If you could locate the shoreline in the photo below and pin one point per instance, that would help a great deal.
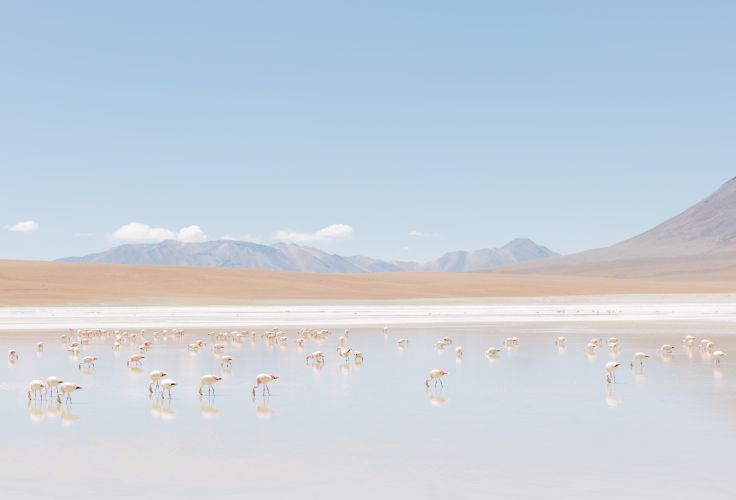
(708, 309)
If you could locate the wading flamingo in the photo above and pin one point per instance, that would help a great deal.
(718, 355)
(611, 371)
(435, 375)
(66, 389)
(166, 385)
(264, 379)
(88, 361)
(316, 356)
(639, 357)
(52, 383)
(37, 387)
(136, 359)
(209, 381)
(156, 376)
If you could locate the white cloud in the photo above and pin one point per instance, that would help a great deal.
(331, 232)
(191, 234)
(420, 234)
(137, 231)
(26, 226)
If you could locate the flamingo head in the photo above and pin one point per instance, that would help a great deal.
(218, 378)
(443, 372)
(77, 387)
(275, 377)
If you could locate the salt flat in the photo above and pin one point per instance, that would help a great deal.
(706, 308)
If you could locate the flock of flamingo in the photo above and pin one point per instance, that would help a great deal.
(161, 386)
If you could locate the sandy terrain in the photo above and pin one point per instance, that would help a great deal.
(26, 283)
(713, 268)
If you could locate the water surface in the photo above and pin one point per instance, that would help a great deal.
(536, 422)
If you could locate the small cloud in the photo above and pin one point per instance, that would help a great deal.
(191, 234)
(26, 226)
(419, 234)
(137, 231)
(331, 232)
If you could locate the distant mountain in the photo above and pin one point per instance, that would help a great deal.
(292, 257)
(702, 239)
(518, 250)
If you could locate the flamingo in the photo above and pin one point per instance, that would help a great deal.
(166, 385)
(88, 361)
(136, 359)
(492, 351)
(666, 349)
(611, 371)
(435, 375)
(38, 387)
(718, 355)
(358, 356)
(560, 342)
(264, 379)
(66, 389)
(639, 357)
(511, 342)
(208, 380)
(402, 342)
(459, 352)
(344, 353)
(12, 355)
(39, 346)
(226, 361)
(440, 345)
(317, 356)
(156, 376)
(53, 382)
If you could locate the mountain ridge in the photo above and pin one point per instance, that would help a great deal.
(293, 257)
(703, 235)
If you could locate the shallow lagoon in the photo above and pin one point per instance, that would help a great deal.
(535, 422)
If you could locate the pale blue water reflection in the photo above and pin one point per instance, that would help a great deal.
(537, 420)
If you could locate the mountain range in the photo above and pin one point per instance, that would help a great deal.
(701, 241)
(292, 257)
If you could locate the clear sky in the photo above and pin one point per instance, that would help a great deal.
(424, 126)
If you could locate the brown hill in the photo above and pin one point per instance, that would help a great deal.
(25, 283)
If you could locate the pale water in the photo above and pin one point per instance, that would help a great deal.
(536, 422)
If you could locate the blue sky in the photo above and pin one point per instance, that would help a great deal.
(576, 124)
